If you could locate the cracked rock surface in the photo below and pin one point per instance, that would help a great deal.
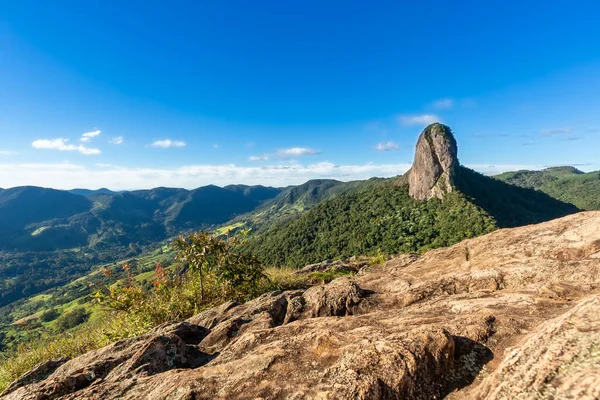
(512, 314)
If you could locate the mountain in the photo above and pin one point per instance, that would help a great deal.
(38, 219)
(293, 201)
(49, 237)
(435, 164)
(511, 314)
(22, 207)
(436, 203)
(88, 192)
(567, 184)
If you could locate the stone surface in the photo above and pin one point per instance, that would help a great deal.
(349, 266)
(513, 314)
(432, 172)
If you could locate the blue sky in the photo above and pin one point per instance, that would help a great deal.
(191, 93)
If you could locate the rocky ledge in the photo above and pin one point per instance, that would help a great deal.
(513, 314)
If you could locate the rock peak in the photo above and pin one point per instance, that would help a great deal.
(432, 172)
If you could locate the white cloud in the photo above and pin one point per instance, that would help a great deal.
(166, 143)
(116, 140)
(558, 131)
(62, 145)
(491, 169)
(7, 153)
(88, 151)
(258, 158)
(296, 151)
(443, 104)
(86, 137)
(67, 176)
(386, 146)
(423, 119)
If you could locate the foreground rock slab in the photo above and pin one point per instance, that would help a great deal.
(513, 314)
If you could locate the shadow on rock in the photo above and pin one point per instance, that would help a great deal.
(470, 357)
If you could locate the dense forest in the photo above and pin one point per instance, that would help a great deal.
(382, 217)
(510, 205)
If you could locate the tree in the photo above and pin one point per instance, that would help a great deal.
(49, 315)
(205, 253)
(72, 318)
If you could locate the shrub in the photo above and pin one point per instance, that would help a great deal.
(132, 310)
(72, 318)
(236, 274)
(49, 315)
(213, 273)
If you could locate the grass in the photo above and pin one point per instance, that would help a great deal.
(224, 229)
(327, 276)
(69, 344)
(39, 230)
(286, 278)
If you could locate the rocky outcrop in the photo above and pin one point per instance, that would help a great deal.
(513, 314)
(352, 265)
(433, 169)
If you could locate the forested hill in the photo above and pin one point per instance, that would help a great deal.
(49, 237)
(39, 219)
(385, 218)
(436, 203)
(295, 200)
(564, 183)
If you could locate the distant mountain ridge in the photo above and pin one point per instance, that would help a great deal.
(35, 218)
(564, 183)
(49, 237)
(89, 192)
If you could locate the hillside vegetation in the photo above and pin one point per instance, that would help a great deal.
(294, 200)
(50, 237)
(384, 218)
(38, 219)
(125, 304)
(564, 183)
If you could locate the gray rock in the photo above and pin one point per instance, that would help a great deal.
(432, 172)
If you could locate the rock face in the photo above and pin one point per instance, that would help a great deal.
(513, 314)
(432, 172)
(352, 266)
